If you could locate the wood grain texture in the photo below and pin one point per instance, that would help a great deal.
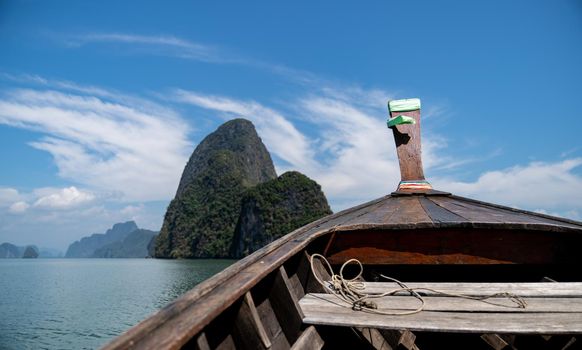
(202, 342)
(495, 341)
(455, 246)
(408, 147)
(527, 289)
(249, 327)
(309, 340)
(374, 338)
(178, 322)
(454, 322)
(286, 306)
(450, 304)
(438, 213)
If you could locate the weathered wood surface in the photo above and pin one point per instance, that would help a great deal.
(201, 342)
(326, 313)
(249, 326)
(286, 306)
(495, 341)
(455, 246)
(309, 340)
(374, 338)
(181, 320)
(446, 304)
(408, 146)
(537, 289)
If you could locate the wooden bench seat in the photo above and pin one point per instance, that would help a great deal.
(552, 308)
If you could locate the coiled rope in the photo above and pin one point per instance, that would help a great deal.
(352, 291)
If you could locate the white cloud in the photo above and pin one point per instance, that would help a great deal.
(106, 144)
(8, 196)
(18, 207)
(63, 198)
(548, 185)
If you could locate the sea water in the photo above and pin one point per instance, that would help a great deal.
(84, 303)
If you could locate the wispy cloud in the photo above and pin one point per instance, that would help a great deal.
(165, 45)
(102, 143)
(173, 46)
(278, 132)
(552, 186)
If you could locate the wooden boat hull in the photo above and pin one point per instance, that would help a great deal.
(255, 303)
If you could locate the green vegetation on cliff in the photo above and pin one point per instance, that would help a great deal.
(230, 202)
(201, 220)
(275, 208)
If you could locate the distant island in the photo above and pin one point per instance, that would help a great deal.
(230, 201)
(123, 240)
(11, 251)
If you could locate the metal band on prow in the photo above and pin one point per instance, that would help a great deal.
(409, 104)
(420, 185)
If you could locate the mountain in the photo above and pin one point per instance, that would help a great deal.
(8, 250)
(30, 253)
(201, 219)
(275, 208)
(87, 246)
(135, 245)
(230, 202)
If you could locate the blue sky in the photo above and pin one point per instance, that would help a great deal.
(102, 102)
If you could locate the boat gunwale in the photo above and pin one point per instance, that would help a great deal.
(134, 337)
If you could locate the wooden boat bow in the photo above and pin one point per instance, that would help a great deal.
(269, 300)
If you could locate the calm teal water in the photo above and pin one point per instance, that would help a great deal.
(83, 303)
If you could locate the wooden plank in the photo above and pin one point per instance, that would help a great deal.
(455, 246)
(400, 339)
(309, 340)
(408, 211)
(547, 219)
(248, 326)
(438, 213)
(201, 342)
(226, 344)
(467, 211)
(313, 285)
(474, 211)
(272, 326)
(296, 286)
(495, 341)
(374, 338)
(438, 303)
(286, 306)
(526, 289)
(378, 213)
(454, 322)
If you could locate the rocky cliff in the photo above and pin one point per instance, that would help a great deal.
(201, 219)
(135, 245)
(275, 208)
(87, 246)
(230, 202)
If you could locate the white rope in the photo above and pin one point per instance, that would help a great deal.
(352, 291)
